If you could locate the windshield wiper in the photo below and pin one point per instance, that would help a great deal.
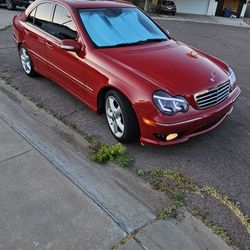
(150, 40)
(153, 40)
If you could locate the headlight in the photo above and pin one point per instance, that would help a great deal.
(232, 77)
(169, 105)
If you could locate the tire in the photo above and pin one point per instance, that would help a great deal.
(26, 61)
(158, 9)
(10, 5)
(121, 118)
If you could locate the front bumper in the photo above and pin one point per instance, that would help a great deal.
(193, 123)
(168, 10)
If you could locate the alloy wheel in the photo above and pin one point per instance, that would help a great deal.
(114, 116)
(25, 60)
(9, 4)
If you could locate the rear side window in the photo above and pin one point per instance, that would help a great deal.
(31, 16)
(63, 26)
(43, 16)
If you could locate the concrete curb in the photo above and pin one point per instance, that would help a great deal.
(204, 19)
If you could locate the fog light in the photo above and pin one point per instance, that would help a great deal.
(171, 137)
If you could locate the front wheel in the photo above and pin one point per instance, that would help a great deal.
(26, 61)
(121, 118)
(9, 4)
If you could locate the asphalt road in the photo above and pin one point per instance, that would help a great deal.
(220, 158)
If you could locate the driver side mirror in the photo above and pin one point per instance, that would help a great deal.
(70, 45)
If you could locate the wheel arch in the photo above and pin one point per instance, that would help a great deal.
(101, 101)
(19, 45)
(101, 98)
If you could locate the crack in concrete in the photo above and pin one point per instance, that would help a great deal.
(15, 156)
(132, 235)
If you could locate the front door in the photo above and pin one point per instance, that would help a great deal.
(65, 67)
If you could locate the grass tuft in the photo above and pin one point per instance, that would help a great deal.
(5, 27)
(5, 79)
(169, 212)
(140, 172)
(217, 230)
(156, 172)
(102, 153)
(244, 219)
(39, 105)
(123, 160)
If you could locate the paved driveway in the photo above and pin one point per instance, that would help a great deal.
(6, 16)
(220, 158)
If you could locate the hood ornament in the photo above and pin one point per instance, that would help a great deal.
(212, 77)
(192, 54)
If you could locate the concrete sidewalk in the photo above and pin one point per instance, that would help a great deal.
(52, 197)
(39, 207)
(237, 22)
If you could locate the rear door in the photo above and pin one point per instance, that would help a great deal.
(36, 28)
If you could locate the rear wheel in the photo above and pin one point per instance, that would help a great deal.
(26, 61)
(120, 117)
(10, 5)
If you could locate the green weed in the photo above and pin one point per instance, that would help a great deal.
(140, 172)
(180, 199)
(103, 153)
(156, 172)
(5, 27)
(123, 160)
(217, 230)
(170, 211)
(39, 105)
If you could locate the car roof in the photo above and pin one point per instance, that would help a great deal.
(91, 3)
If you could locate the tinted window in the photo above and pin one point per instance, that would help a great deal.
(63, 26)
(31, 16)
(43, 16)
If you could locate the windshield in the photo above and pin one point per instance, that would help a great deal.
(168, 3)
(114, 27)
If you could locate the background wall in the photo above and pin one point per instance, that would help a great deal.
(192, 6)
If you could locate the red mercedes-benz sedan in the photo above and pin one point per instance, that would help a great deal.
(116, 60)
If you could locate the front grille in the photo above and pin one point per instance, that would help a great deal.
(213, 96)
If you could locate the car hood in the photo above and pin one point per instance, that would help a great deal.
(170, 66)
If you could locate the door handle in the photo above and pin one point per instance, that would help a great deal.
(49, 44)
(27, 32)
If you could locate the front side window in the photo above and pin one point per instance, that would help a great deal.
(43, 16)
(111, 27)
(63, 26)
